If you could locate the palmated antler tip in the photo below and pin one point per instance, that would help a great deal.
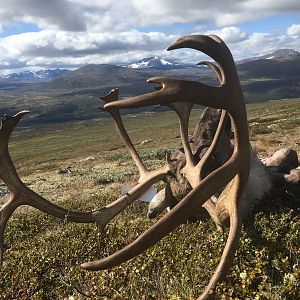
(202, 63)
(7, 122)
(111, 96)
(157, 80)
(215, 38)
(18, 115)
(184, 42)
(174, 46)
(179, 43)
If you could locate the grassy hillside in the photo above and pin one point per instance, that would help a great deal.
(43, 253)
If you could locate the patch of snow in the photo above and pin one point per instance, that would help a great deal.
(152, 62)
(164, 62)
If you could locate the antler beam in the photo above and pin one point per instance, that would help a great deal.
(234, 172)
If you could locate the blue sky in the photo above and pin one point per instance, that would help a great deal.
(36, 34)
(18, 28)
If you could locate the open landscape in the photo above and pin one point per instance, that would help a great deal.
(82, 164)
(73, 95)
(223, 222)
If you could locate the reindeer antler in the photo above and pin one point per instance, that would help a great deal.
(234, 172)
(180, 95)
(21, 195)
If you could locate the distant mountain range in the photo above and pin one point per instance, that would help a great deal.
(148, 63)
(278, 54)
(275, 75)
(62, 95)
(47, 74)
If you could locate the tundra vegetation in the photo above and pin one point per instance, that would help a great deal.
(82, 165)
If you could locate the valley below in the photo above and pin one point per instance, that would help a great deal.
(74, 95)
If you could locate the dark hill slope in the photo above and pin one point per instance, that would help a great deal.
(99, 76)
(266, 79)
(271, 68)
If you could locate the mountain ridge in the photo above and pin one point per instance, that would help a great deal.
(43, 74)
(75, 95)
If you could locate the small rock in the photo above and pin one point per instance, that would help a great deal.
(144, 142)
(66, 170)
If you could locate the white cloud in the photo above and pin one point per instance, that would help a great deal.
(62, 48)
(76, 32)
(50, 48)
(230, 34)
(104, 15)
(59, 14)
(294, 30)
(4, 63)
(259, 43)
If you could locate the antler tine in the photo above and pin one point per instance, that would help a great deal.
(7, 173)
(146, 180)
(174, 90)
(183, 110)
(195, 175)
(8, 123)
(111, 98)
(234, 194)
(217, 69)
(201, 165)
(214, 47)
(22, 194)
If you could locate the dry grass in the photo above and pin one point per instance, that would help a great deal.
(43, 253)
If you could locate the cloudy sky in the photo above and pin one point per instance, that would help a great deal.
(37, 34)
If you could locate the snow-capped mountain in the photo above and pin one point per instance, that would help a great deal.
(36, 75)
(154, 63)
(282, 53)
(278, 54)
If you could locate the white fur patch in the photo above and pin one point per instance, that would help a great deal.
(258, 185)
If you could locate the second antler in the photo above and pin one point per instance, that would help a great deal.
(20, 194)
(180, 95)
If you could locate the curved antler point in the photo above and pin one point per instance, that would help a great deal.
(113, 95)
